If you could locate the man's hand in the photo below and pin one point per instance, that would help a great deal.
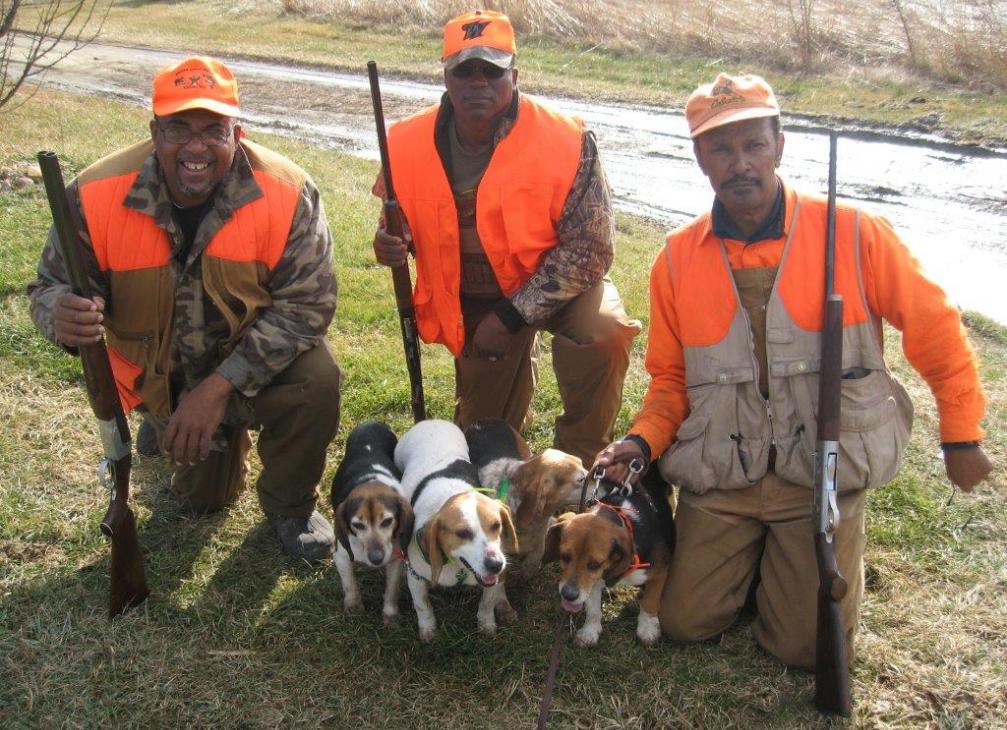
(616, 457)
(967, 467)
(491, 338)
(191, 427)
(78, 320)
(392, 250)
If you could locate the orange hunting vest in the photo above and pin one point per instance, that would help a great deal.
(725, 441)
(518, 206)
(135, 253)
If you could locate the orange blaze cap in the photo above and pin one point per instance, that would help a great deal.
(195, 83)
(729, 99)
(483, 34)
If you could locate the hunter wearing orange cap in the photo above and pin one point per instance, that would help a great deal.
(736, 312)
(510, 218)
(213, 264)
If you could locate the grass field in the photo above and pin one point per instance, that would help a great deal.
(632, 50)
(234, 635)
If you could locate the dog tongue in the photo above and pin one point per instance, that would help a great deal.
(570, 607)
(491, 580)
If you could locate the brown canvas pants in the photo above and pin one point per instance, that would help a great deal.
(298, 414)
(590, 348)
(724, 536)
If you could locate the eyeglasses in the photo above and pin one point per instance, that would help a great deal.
(489, 71)
(182, 134)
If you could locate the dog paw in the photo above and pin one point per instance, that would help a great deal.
(390, 620)
(506, 614)
(587, 637)
(648, 630)
(353, 604)
(488, 629)
(427, 636)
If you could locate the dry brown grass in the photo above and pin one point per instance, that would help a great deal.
(963, 41)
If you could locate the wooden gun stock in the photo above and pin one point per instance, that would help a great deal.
(832, 672)
(400, 274)
(128, 584)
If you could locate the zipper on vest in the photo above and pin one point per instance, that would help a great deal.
(755, 370)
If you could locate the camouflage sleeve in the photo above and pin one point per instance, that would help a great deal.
(52, 281)
(303, 290)
(585, 245)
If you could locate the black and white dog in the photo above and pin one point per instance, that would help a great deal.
(372, 516)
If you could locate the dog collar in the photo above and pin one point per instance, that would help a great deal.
(503, 489)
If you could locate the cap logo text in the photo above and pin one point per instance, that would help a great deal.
(195, 80)
(474, 30)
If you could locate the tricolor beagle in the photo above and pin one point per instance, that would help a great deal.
(460, 533)
(617, 542)
(533, 487)
(372, 517)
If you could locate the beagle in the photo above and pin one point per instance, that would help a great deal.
(619, 541)
(533, 487)
(459, 533)
(371, 514)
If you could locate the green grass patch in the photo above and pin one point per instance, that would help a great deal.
(235, 635)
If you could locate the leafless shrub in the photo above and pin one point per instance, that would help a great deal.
(35, 35)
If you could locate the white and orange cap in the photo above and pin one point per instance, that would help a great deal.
(483, 34)
(729, 99)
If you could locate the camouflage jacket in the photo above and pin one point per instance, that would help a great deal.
(302, 286)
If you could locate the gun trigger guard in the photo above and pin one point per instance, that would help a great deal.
(105, 476)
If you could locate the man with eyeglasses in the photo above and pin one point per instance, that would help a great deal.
(212, 261)
(509, 215)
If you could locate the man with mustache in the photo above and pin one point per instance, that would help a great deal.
(212, 261)
(737, 300)
(509, 215)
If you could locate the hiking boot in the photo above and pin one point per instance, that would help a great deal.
(146, 440)
(310, 538)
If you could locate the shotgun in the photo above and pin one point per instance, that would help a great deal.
(832, 673)
(400, 274)
(128, 584)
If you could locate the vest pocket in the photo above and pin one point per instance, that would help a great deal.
(709, 452)
(874, 424)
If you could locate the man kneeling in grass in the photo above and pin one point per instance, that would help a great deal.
(734, 352)
(213, 263)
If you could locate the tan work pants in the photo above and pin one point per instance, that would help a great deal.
(590, 348)
(298, 414)
(723, 536)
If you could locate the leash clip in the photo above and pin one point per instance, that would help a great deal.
(625, 490)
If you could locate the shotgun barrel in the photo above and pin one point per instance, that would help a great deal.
(400, 274)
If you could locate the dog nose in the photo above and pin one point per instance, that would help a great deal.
(569, 592)
(376, 555)
(493, 564)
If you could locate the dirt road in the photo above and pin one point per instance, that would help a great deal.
(947, 202)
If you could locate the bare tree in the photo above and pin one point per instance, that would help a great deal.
(35, 35)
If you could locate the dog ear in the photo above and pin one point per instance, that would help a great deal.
(619, 559)
(510, 543)
(404, 524)
(341, 527)
(531, 477)
(428, 538)
(550, 553)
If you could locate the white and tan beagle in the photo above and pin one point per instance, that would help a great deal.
(533, 487)
(617, 542)
(459, 534)
(372, 516)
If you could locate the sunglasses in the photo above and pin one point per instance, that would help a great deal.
(468, 69)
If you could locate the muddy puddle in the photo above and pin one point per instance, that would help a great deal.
(948, 203)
